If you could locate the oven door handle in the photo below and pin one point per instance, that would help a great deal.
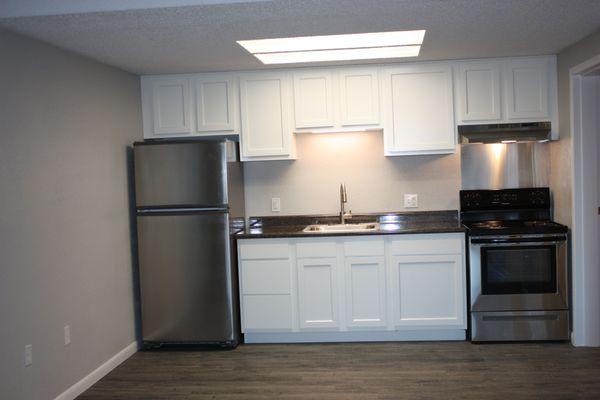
(538, 240)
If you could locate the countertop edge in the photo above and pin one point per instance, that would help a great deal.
(457, 229)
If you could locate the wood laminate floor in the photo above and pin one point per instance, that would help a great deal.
(441, 370)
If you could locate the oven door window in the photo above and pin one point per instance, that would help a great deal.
(518, 269)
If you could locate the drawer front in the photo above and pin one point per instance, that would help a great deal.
(265, 276)
(427, 244)
(266, 312)
(264, 249)
(315, 249)
(364, 247)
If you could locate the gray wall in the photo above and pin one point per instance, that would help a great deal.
(375, 183)
(560, 180)
(65, 122)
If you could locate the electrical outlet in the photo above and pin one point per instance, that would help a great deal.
(67, 332)
(275, 204)
(28, 355)
(411, 200)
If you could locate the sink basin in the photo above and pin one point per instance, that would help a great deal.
(371, 226)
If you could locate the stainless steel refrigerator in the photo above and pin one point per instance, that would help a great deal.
(189, 202)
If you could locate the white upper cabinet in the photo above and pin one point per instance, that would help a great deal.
(167, 106)
(313, 99)
(189, 105)
(418, 105)
(527, 89)
(333, 99)
(420, 113)
(359, 96)
(478, 86)
(266, 113)
(507, 90)
(216, 105)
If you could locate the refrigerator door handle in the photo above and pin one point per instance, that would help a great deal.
(180, 210)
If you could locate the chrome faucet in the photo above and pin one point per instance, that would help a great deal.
(343, 200)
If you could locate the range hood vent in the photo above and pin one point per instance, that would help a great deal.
(505, 133)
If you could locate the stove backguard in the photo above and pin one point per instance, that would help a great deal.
(505, 166)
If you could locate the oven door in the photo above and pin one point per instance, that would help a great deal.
(518, 273)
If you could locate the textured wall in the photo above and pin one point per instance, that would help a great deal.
(561, 171)
(310, 185)
(65, 122)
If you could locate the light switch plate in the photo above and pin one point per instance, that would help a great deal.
(28, 355)
(67, 334)
(275, 204)
(411, 200)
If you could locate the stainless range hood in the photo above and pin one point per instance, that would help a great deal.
(505, 133)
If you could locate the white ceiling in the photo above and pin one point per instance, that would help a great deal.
(201, 37)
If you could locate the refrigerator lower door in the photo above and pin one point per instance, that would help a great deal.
(187, 279)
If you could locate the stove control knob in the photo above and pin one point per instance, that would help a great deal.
(537, 197)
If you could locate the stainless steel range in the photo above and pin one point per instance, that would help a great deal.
(518, 266)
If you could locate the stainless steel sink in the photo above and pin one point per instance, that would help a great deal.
(342, 228)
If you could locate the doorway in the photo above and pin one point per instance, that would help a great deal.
(585, 126)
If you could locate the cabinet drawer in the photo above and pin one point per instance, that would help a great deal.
(315, 249)
(265, 276)
(427, 244)
(364, 247)
(264, 249)
(267, 312)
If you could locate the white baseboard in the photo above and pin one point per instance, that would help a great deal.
(97, 374)
(366, 336)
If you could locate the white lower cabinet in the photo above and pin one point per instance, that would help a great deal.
(361, 288)
(317, 293)
(267, 312)
(265, 276)
(365, 291)
(428, 291)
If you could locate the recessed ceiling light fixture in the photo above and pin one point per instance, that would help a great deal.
(355, 46)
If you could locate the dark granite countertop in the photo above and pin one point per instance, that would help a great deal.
(393, 223)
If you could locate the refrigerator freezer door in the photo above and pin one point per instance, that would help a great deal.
(187, 279)
(192, 174)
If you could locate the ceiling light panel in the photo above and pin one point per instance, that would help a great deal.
(338, 55)
(329, 42)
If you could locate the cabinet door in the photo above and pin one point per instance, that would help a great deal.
(359, 97)
(265, 100)
(215, 103)
(313, 99)
(266, 313)
(479, 91)
(420, 113)
(429, 291)
(365, 291)
(171, 105)
(317, 293)
(527, 89)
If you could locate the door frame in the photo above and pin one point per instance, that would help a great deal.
(584, 169)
